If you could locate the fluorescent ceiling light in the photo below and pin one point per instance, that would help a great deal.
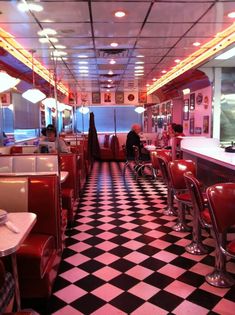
(45, 40)
(228, 54)
(25, 7)
(139, 109)
(57, 53)
(47, 31)
(33, 95)
(82, 56)
(83, 62)
(7, 82)
(140, 56)
(114, 44)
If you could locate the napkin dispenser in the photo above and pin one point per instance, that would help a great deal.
(230, 148)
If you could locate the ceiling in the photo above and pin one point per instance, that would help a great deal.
(161, 31)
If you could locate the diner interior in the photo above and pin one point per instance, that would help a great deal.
(91, 229)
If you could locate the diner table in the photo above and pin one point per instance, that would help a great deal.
(11, 241)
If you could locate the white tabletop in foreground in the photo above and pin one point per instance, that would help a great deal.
(11, 241)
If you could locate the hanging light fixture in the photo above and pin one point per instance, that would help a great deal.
(33, 95)
(139, 109)
(7, 82)
(84, 110)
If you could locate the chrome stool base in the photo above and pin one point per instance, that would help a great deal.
(181, 227)
(196, 249)
(220, 279)
(169, 211)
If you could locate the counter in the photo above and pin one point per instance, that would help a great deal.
(213, 163)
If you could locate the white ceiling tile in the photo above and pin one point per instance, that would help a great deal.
(207, 30)
(104, 11)
(218, 13)
(165, 29)
(117, 29)
(177, 12)
(70, 29)
(157, 42)
(122, 43)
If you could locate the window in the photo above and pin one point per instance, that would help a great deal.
(109, 118)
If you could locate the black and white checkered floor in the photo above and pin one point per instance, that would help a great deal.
(122, 256)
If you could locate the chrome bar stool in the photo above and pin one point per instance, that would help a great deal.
(221, 200)
(200, 213)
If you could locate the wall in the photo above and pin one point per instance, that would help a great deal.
(198, 120)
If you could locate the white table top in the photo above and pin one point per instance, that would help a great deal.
(208, 148)
(10, 241)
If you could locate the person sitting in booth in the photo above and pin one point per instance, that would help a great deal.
(52, 144)
(133, 139)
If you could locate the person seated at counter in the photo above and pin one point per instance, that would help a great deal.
(51, 144)
(133, 139)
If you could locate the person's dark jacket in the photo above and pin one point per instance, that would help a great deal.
(132, 139)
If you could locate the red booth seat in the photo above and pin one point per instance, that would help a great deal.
(39, 256)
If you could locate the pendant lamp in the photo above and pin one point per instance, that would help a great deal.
(139, 109)
(84, 110)
(33, 95)
(7, 82)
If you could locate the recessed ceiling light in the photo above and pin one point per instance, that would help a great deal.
(58, 47)
(163, 71)
(147, 84)
(177, 60)
(140, 70)
(47, 31)
(196, 44)
(83, 67)
(119, 14)
(139, 67)
(45, 40)
(138, 74)
(83, 62)
(154, 79)
(108, 85)
(140, 56)
(83, 71)
(112, 62)
(110, 72)
(109, 80)
(139, 62)
(25, 7)
(57, 53)
(82, 56)
(59, 58)
(114, 44)
(231, 15)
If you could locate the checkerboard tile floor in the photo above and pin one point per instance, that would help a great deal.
(122, 257)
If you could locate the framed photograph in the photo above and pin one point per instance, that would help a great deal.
(186, 110)
(142, 97)
(191, 126)
(199, 98)
(168, 107)
(96, 98)
(5, 98)
(198, 130)
(131, 97)
(192, 101)
(205, 124)
(119, 97)
(107, 97)
(43, 118)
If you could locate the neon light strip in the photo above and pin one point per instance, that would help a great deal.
(221, 41)
(8, 43)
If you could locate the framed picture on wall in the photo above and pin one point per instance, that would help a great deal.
(186, 110)
(198, 130)
(107, 97)
(5, 98)
(96, 98)
(191, 126)
(119, 97)
(192, 101)
(205, 124)
(142, 97)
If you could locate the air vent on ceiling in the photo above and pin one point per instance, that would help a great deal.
(109, 75)
(102, 53)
